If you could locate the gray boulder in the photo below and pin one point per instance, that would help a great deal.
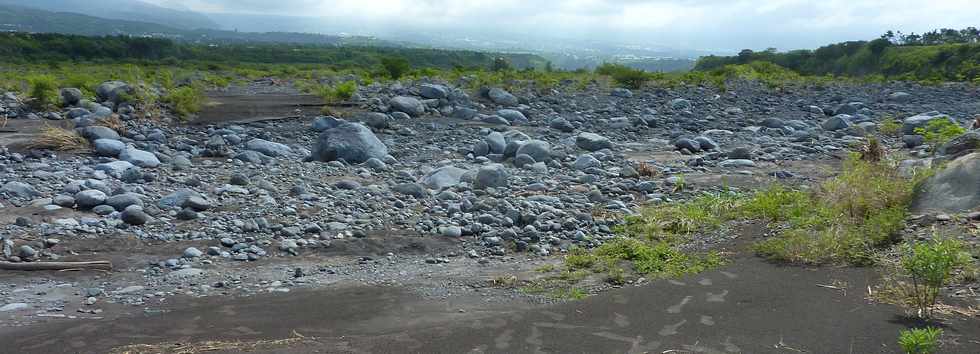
(464, 113)
(96, 132)
(838, 122)
(19, 189)
(621, 92)
(592, 142)
(113, 91)
(121, 201)
(491, 176)
(539, 150)
(134, 215)
(91, 198)
(322, 123)
(964, 143)
(71, 96)
(413, 189)
(899, 97)
(497, 142)
(679, 104)
(268, 148)
(956, 188)
(108, 147)
(921, 120)
(443, 177)
(502, 97)
(407, 105)
(351, 142)
(432, 91)
(512, 116)
(562, 125)
(139, 158)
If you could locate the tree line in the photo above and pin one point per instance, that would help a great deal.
(940, 55)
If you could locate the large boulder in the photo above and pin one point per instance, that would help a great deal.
(407, 105)
(956, 188)
(513, 116)
(139, 157)
(592, 142)
(71, 96)
(964, 143)
(432, 91)
(108, 147)
(538, 149)
(96, 132)
(113, 91)
(491, 176)
(838, 122)
(502, 97)
(19, 189)
(921, 120)
(351, 142)
(443, 177)
(268, 148)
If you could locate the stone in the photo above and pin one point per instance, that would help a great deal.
(464, 113)
(899, 97)
(16, 306)
(134, 215)
(736, 163)
(71, 96)
(502, 97)
(491, 176)
(413, 189)
(122, 201)
(351, 142)
(322, 123)
(954, 189)
(113, 91)
(443, 177)
(706, 143)
(139, 158)
(19, 189)
(452, 231)
(679, 104)
(968, 142)
(621, 92)
(192, 252)
(562, 125)
(96, 132)
(513, 116)
(26, 252)
(592, 142)
(921, 120)
(432, 91)
(585, 162)
(837, 122)
(774, 123)
(268, 148)
(539, 150)
(88, 199)
(407, 105)
(688, 144)
(64, 201)
(108, 147)
(522, 160)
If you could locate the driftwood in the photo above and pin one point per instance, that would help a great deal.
(29, 266)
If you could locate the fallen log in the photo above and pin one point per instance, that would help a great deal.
(31, 266)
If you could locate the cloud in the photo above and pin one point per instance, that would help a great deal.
(729, 24)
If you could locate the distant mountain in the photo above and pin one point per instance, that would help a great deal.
(127, 10)
(24, 19)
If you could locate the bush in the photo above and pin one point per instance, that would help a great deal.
(940, 131)
(395, 67)
(185, 100)
(43, 90)
(930, 265)
(339, 93)
(624, 76)
(890, 127)
(920, 340)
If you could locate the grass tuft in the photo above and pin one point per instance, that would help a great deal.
(59, 139)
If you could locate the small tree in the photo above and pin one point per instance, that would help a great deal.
(396, 67)
(930, 265)
(500, 64)
(43, 89)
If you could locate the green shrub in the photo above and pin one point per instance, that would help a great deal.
(940, 131)
(395, 67)
(185, 100)
(930, 266)
(43, 90)
(339, 93)
(658, 259)
(920, 340)
(623, 75)
(890, 127)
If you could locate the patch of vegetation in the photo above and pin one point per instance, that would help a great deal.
(624, 76)
(59, 139)
(845, 220)
(940, 131)
(43, 90)
(655, 259)
(929, 266)
(920, 340)
(185, 100)
(395, 67)
(890, 127)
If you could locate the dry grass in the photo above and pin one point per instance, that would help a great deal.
(647, 170)
(59, 139)
(113, 123)
(213, 346)
(872, 151)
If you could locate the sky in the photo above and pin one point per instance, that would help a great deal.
(688, 24)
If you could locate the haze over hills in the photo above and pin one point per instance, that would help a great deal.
(140, 18)
(128, 10)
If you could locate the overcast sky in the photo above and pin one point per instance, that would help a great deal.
(692, 24)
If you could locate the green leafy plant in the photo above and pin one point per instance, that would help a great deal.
(940, 131)
(890, 127)
(43, 90)
(920, 340)
(185, 100)
(624, 76)
(338, 93)
(395, 67)
(930, 265)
